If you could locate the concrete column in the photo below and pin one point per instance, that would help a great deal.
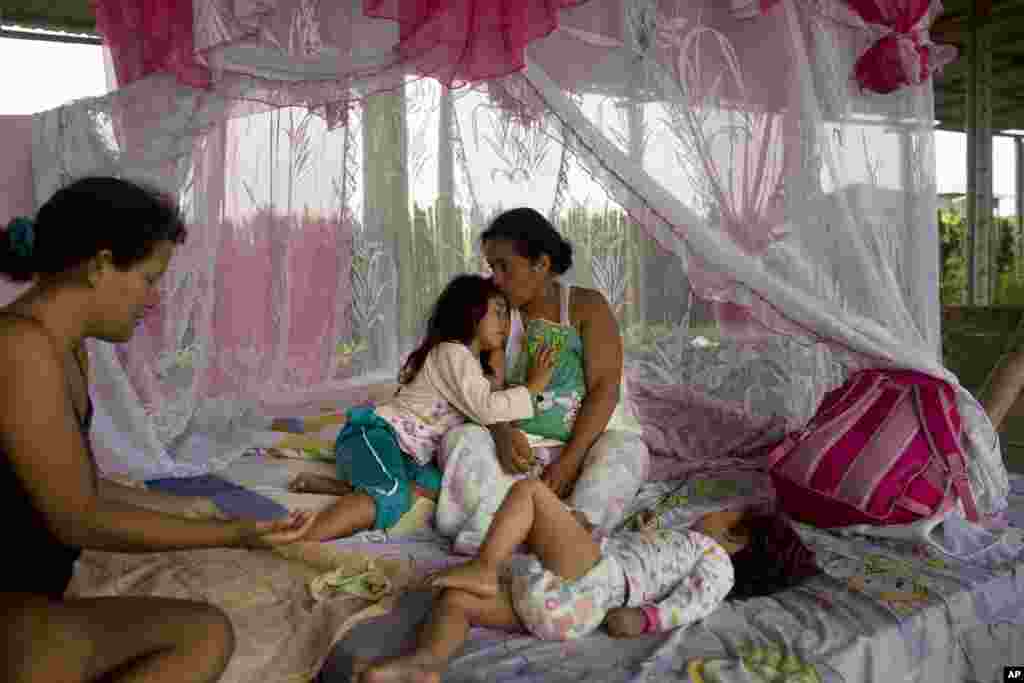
(981, 240)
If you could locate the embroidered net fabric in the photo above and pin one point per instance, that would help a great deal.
(760, 224)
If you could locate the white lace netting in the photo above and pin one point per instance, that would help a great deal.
(782, 226)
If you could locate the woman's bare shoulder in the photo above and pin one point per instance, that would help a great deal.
(29, 359)
(23, 338)
(585, 303)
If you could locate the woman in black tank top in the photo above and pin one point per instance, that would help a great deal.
(50, 572)
(95, 253)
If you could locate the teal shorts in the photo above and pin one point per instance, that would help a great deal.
(367, 455)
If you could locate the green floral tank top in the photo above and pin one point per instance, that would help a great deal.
(556, 408)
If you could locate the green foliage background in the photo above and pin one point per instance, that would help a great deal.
(1009, 290)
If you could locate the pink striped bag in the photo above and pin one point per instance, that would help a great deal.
(882, 449)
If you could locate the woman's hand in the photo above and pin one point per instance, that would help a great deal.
(513, 449)
(560, 476)
(267, 534)
(542, 367)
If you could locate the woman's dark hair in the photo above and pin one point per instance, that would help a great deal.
(454, 318)
(773, 560)
(86, 217)
(533, 235)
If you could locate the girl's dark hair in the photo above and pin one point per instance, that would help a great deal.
(533, 235)
(454, 318)
(773, 560)
(86, 217)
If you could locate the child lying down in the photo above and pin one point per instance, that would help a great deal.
(631, 582)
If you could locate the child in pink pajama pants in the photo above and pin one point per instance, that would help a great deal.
(632, 583)
(673, 576)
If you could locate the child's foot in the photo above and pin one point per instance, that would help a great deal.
(584, 521)
(625, 622)
(473, 577)
(315, 483)
(420, 667)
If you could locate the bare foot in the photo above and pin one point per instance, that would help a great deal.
(315, 483)
(625, 622)
(419, 667)
(583, 520)
(473, 577)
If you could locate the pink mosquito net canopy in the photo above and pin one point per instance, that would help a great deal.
(749, 184)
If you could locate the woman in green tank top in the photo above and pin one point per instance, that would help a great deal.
(596, 469)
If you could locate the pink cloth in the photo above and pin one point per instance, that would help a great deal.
(150, 36)
(904, 55)
(463, 41)
(746, 179)
(455, 41)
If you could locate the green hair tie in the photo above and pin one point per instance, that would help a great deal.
(21, 233)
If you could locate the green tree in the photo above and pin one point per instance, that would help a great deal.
(953, 238)
(1009, 288)
(1006, 256)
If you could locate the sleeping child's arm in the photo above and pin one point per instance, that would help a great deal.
(702, 574)
(701, 590)
(456, 374)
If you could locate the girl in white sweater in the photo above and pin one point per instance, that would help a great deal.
(386, 454)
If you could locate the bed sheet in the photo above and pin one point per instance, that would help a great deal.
(881, 611)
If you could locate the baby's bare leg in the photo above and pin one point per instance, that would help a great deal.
(530, 514)
(443, 636)
(555, 536)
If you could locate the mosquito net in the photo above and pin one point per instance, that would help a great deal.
(749, 184)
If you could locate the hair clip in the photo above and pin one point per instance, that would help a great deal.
(21, 233)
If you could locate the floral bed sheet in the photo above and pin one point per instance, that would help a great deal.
(880, 611)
